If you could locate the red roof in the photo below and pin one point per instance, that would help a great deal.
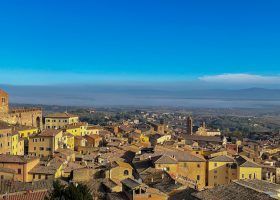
(27, 195)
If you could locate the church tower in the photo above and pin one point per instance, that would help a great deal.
(190, 125)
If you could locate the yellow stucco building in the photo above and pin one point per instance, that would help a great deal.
(247, 169)
(119, 170)
(223, 169)
(26, 131)
(183, 164)
(14, 143)
(77, 129)
(68, 140)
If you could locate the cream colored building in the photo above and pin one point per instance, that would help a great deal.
(59, 120)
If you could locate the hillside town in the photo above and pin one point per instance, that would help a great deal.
(151, 158)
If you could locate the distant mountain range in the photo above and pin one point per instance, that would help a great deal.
(98, 95)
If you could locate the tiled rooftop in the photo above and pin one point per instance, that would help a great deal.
(233, 191)
(15, 159)
(61, 115)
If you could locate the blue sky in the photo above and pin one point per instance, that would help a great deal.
(49, 41)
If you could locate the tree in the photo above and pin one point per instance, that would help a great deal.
(70, 192)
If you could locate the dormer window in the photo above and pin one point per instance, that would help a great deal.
(126, 173)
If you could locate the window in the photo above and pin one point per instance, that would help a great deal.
(167, 168)
(33, 176)
(215, 177)
(46, 177)
(48, 149)
(34, 148)
(250, 176)
(3, 100)
(39, 176)
(41, 148)
(19, 171)
(198, 177)
(198, 165)
(215, 171)
(125, 172)
(2, 177)
(242, 175)
(215, 164)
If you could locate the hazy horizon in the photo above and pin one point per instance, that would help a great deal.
(108, 95)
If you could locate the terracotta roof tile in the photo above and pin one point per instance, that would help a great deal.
(27, 195)
(222, 158)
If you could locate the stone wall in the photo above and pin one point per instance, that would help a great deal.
(23, 116)
(27, 116)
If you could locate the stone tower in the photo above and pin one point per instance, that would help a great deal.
(4, 102)
(203, 124)
(190, 125)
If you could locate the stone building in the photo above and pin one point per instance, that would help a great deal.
(22, 116)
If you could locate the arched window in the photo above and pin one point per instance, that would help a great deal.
(38, 122)
(125, 172)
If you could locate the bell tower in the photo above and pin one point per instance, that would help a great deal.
(190, 125)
